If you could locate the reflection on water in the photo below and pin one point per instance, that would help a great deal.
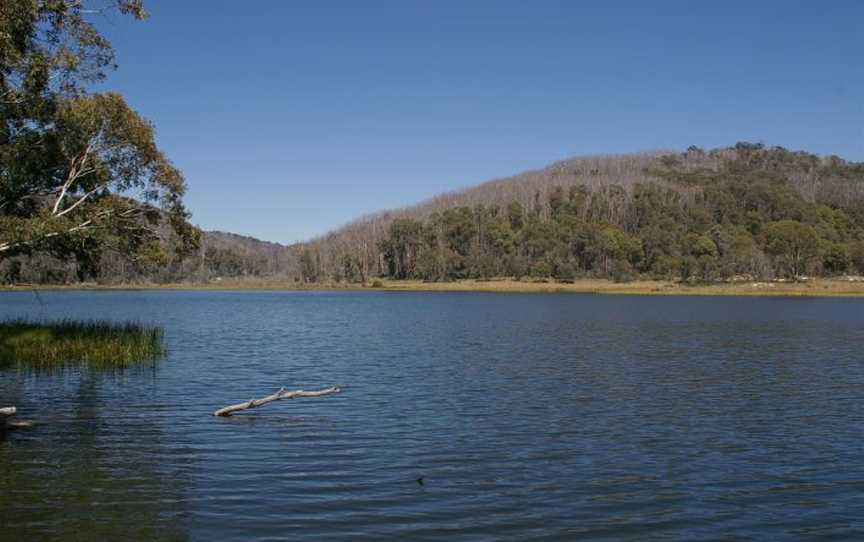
(528, 416)
(87, 470)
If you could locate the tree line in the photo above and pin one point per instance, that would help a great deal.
(748, 211)
(217, 255)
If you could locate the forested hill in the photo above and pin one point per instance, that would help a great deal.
(217, 255)
(747, 210)
(230, 255)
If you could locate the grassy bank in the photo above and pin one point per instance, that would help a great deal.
(98, 343)
(810, 288)
(813, 288)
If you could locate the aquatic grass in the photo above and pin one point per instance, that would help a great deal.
(98, 343)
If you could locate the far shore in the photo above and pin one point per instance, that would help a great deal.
(809, 288)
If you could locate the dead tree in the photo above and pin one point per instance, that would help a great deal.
(278, 396)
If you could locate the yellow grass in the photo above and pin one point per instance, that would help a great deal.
(641, 287)
(820, 288)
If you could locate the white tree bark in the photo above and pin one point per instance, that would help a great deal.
(76, 172)
(278, 396)
(88, 224)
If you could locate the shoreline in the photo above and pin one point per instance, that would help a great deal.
(811, 288)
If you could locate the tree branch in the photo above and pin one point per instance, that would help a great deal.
(75, 173)
(87, 224)
(278, 396)
(82, 199)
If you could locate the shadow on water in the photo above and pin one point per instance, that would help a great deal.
(275, 421)
(88, 469)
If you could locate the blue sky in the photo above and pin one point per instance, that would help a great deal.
(291, 118)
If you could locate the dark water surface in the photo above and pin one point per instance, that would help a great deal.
(528, 416)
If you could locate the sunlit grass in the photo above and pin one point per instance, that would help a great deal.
(813, 288)
(97, 343)
(823, 287)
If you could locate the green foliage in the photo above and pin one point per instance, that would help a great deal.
(856, 255)
(80, 173)
(401, 249)
(96, 343)
(352, 269)
(310, 267)
(742, 217)
(793, 244)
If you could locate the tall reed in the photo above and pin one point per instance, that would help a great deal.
(50, 343)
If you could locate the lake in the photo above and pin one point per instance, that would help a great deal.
(527, 416)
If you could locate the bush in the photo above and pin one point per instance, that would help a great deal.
(541, 270)
(622, 271)
(377, 284)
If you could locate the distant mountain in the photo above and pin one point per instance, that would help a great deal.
(243, 242)
(232, 255)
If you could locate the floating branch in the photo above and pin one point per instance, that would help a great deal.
(278, 396)
(6, 423)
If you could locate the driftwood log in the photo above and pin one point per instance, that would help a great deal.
(6, 413)
(278, 396)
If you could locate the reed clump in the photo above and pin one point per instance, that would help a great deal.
(98, 343)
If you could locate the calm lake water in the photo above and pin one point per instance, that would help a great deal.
(528, 416)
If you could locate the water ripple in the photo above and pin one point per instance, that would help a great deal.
(528, 417)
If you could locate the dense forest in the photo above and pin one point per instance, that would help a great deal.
(744, 212)
(216, 255)
(748, 211)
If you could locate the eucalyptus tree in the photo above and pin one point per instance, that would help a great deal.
(77, 169)
(794, 245)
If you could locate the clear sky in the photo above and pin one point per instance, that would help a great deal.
(290, 118)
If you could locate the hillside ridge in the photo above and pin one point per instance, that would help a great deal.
(603, 192)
